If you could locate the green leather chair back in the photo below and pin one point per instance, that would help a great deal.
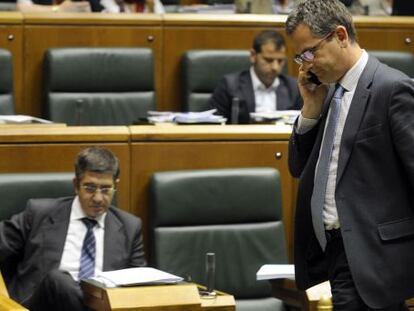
(235, 213)
(403, 61)
(98, 86)
(203, 69)
(17, 188)
(6, 83)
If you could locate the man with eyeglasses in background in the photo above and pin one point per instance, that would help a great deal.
(62, 241)
(263, 87)
(353, 149)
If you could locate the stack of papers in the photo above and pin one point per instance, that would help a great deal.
(204, 117)
(136, 276)
(21, 119)
(267, 272)
(286, 116)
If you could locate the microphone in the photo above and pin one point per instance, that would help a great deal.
(235, 108)
(210, 271)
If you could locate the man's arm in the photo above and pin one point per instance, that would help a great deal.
(221, 99)
(401, 116)
(300, 147)
(13, 235)
(137, 253)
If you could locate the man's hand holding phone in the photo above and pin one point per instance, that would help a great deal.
(313, 93)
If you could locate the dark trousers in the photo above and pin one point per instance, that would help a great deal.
(345, 296)
(58, 291)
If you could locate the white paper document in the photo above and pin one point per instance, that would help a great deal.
(267, 272)
(21, 119)
(136, 276)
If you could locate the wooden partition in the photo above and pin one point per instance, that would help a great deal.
(167, 148)
(27, 36)
(53, 148)
(11, 38)
(184, 32)
(43, 31)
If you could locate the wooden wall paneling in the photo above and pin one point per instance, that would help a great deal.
(85, 30)
(38, 150)
(198, 150)
(184, 32)
(11, 38)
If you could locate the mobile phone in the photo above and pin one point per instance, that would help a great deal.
(312, 81)
(312, 78)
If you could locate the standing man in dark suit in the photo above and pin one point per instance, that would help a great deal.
(60, 241)
(262, 88)
(354, 154)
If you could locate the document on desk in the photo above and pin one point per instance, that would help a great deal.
(136, 276)
(267, 272)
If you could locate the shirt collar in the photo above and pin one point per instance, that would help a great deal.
(258, 85)
(350, 80)
(77, 213)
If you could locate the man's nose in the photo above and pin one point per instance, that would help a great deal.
(98, 196)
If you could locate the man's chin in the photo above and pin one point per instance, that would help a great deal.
(96, 211)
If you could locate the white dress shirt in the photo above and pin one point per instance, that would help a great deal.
(70, 260)
(349, 82)
(265, 97)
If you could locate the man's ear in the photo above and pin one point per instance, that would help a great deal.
(342, 36)
(75, 185)
(116, 183)
(252, 56)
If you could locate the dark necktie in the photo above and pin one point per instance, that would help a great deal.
(87, 261)
(322, 172)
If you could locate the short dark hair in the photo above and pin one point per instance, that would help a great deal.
(322, 17)
(98, 160)
(268, 36)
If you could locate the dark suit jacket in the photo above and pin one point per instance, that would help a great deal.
(37, 236)
(374, 193)
(240, 85)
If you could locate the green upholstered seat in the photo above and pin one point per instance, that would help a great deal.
(203, 69)
(235, 213)
(6, 83)
(403, 61)
(17, 188)
(98, 86)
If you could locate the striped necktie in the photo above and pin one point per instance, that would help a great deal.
(87, 261)
(322, 171)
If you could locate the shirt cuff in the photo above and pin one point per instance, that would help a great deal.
(304, 125)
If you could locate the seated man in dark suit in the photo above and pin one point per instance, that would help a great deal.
(61, 241)
(263, 87)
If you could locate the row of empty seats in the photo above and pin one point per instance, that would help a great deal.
(115, 86)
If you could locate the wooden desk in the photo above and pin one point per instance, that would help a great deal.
(180, 297)
(167, 148)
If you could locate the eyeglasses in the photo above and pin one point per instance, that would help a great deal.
(92, 189)
(309, 54)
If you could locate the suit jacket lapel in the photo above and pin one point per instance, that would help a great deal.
(246, 87)
(355, 114)
(114, 241)
(54, 235)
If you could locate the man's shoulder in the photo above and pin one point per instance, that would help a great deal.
(288, 79)
(45, 205)
(236, 76)
(124, 217)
